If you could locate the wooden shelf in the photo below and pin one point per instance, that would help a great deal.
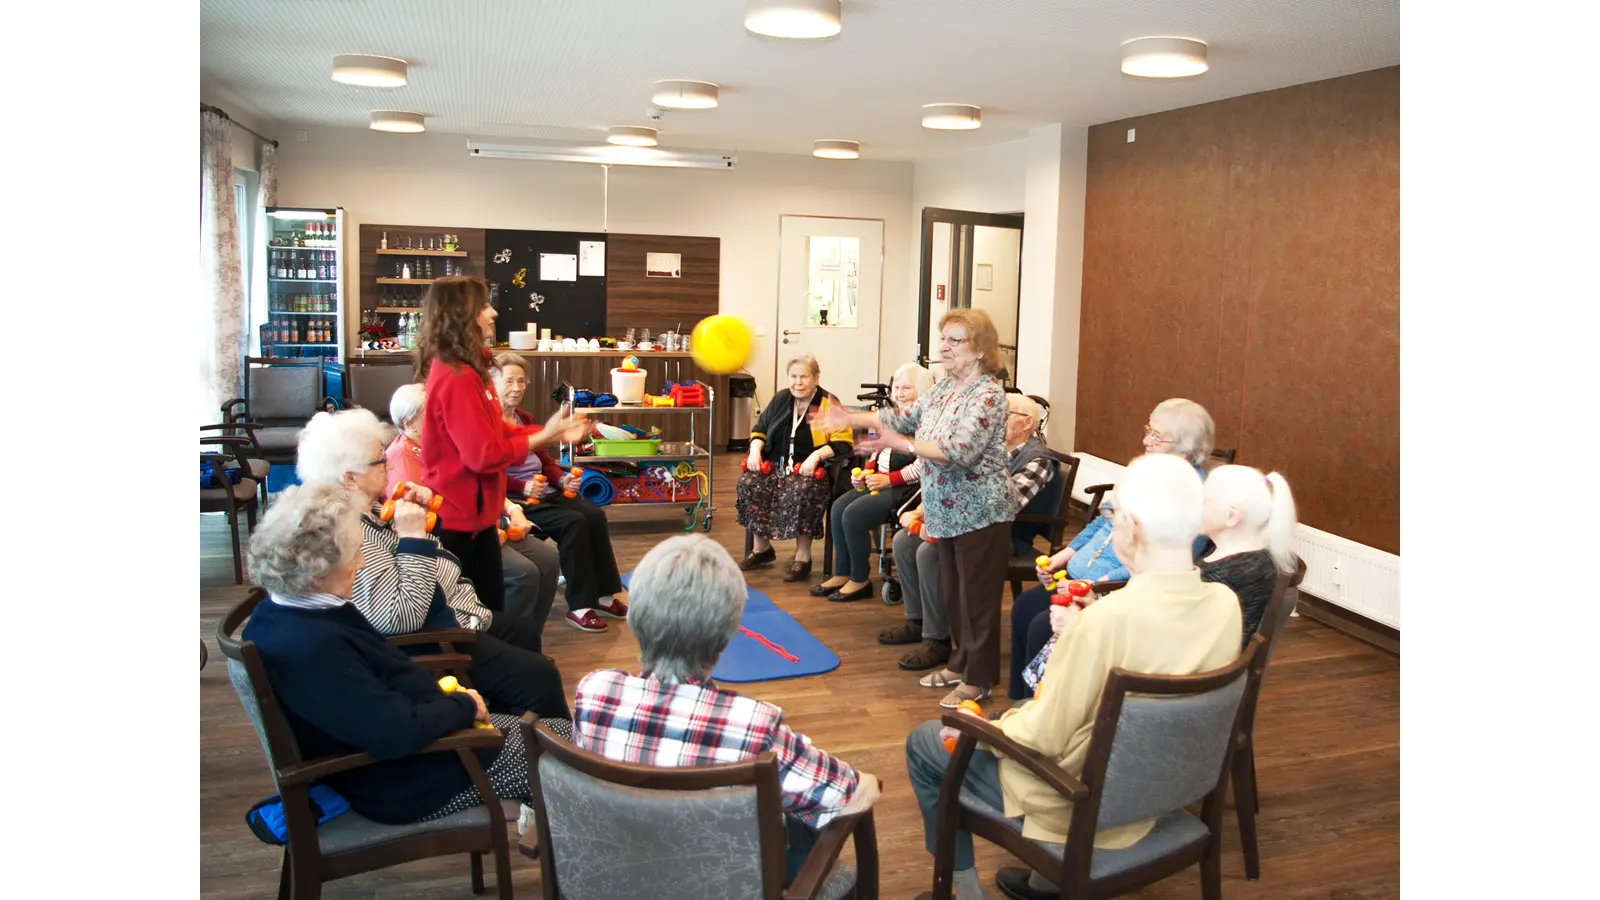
(422, 253)
(405, 280)
(307, 280)
(404, 310)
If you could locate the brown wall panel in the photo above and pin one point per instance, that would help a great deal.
(1245, 254)
(635, 300)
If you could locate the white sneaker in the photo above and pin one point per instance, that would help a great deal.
(526, 820)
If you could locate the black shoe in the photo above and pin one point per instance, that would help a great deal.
(1013, 882)
(798, 571)
(765, 558)
(842, 597)
(820, 591)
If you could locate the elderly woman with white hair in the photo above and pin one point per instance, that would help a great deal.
(530, 567)
(1179, 625)
(343, 688)
(408, 582)
(1250, 520)
(688, 596)
(877, 493)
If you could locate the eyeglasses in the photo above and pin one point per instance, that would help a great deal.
(380, 461)
(952, 341)
(1160, 438)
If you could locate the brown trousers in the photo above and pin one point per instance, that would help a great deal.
(972, 576)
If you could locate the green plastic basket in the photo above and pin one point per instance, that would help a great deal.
(605, 447)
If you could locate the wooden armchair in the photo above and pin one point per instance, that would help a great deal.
(350, 844)
(623, 830)
(226, 497)
(1160, 743)
(1020, 568)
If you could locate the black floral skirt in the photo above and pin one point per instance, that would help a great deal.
(780, 507)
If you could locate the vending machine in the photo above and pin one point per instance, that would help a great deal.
(304, 315)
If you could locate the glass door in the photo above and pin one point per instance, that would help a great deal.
(970, 260)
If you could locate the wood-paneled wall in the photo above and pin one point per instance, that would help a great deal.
(373, 266)
(635, 300)
(1245, 254)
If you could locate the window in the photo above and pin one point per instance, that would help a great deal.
(834, 268)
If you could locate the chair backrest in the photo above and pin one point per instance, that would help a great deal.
(1225, 456)
(1054, 502)
(1161, 742)
(373, 386)
(610, 829)
(277, 389)
(249, 679)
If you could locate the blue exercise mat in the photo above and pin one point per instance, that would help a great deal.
(747, 659)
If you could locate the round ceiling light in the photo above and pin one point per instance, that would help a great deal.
(685, 95)
(1164, 57)
(800, 19)
(836, 149)
(369, 71)
(631, 136)
(396, 121)
(951, 116)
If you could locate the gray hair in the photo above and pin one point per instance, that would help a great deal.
(1022, 403)
(1165, 496)
(1192, 428)
(501, 360)
(686, 597)
(407, 403)
(309, 531)
(916, 376)
(334, 443)
(809, 361)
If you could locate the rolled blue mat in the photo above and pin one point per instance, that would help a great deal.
(597, 489)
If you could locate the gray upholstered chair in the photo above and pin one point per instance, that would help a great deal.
(1246, 800)
(372, 384)
(608, 829)
(350, 844)
(223, 496)
(280, 396)
(1160, 743)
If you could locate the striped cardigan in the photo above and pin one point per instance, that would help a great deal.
(407, 584)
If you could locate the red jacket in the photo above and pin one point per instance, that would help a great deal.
(466, 448)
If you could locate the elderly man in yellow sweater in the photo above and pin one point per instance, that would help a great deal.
(1165, 622)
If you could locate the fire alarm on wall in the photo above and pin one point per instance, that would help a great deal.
(300, 135)
(938, 292)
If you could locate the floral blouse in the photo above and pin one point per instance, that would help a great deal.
(968, 423)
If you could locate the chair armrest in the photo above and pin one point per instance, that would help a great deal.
(322, 767)
(825, 852)
(225, 440)
(974, 730)
(1096, 489)
(443, 662)
(435, 636)
(1105, 587)
(1037, 519)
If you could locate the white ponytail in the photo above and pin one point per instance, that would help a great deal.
(1280, 524)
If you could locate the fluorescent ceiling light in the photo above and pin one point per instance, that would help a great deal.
(802, 19)
(396, 121)
(951, 116)
(602, 154)
(685, 95)
(369, 71)
(631, 136)
(836, 149)
(1164, 57)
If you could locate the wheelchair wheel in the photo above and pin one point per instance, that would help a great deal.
(891, 594)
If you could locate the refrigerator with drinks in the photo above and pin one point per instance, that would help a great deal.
(304, 297)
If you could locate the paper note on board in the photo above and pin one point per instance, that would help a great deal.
(558, 267)
(592, 259)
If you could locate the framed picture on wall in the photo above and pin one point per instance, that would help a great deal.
(983, 277)
(663, 265)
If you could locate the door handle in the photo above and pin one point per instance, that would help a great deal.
(786, 331)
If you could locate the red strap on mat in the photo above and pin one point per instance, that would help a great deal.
(769, 644)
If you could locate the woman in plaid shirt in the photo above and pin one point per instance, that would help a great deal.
(687, 597)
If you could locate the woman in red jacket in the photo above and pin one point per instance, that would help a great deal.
(466, 446)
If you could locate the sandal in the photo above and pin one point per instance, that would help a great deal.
(937, 680)
(927, 656)
(907, 632)
(955, 698)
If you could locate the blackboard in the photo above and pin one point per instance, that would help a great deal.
(575, 309)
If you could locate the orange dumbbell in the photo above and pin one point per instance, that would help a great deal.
(511, 532)
(818, 473)
(916, 531)
(766, 466)
(539, 484)
(387, 513)
(450, 685)
(1071, 593)
(578, 474)
(970, 706)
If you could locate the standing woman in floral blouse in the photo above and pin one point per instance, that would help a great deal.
(969, 501)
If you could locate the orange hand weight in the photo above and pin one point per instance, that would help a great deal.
(970, 706)
(578, 474)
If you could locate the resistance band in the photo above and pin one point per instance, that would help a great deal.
(769, 644)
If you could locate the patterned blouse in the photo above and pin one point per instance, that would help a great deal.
(968, 423)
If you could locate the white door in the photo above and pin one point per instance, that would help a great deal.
(830, 296)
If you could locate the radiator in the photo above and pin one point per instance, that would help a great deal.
(1350, 575)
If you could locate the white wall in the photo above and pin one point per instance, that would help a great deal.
(428, 179)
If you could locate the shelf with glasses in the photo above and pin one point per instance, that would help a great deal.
(309, 280)
(406, 280)
(397, 309)
(393, 252)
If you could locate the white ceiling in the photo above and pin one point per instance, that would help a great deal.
(568, 69)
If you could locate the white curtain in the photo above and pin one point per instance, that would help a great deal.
(266, 195)
(222, 298)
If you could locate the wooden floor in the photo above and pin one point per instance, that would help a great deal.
(1327, 736)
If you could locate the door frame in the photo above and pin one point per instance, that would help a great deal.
(961, 254)
(777, 305)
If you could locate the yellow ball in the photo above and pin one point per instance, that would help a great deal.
(721, 344)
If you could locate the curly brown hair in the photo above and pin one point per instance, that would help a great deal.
(450, 331)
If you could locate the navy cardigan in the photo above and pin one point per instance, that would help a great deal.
(343, 689)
